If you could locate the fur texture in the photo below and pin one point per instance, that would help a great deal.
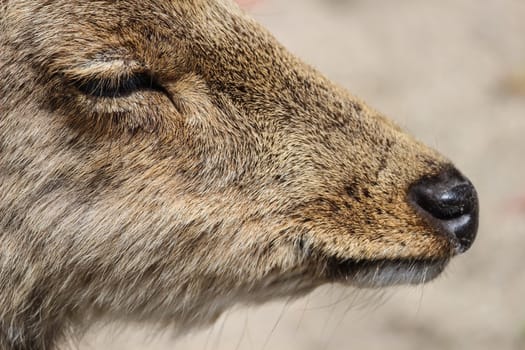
(163, 160)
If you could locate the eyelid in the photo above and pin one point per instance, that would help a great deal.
(119, 86)
(108, 76)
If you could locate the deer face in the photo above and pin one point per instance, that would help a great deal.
(176, 148)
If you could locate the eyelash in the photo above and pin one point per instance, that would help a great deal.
(122, 87)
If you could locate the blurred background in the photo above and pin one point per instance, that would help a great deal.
(452, 72)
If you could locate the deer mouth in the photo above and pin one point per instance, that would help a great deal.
(384, 272)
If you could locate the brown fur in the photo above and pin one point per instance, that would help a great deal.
(241, 175)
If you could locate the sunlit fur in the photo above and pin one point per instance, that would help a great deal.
(245, 175)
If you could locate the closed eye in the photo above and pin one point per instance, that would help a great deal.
(119, 87)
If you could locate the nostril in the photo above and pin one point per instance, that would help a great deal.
(449, 202)
(445, 203)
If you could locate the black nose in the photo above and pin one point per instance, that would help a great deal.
(450, 203)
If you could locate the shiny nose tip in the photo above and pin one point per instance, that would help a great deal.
(450, 203)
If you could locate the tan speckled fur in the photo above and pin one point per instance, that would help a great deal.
(242, 179)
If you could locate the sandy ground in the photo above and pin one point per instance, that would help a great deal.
(453, 73)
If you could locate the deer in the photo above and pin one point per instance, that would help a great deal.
(162, 161)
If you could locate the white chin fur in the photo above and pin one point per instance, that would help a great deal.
(390, 273)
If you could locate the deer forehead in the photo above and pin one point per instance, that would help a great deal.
(162, 34)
